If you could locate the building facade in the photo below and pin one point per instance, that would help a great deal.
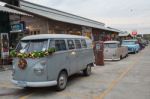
(24, 18)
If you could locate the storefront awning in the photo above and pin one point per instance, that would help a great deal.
(9, 10)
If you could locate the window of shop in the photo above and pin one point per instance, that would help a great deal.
(59, 31)
(71, 44)
(78, 44)
(35, 32)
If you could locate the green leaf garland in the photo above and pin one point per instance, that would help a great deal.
(34, 54)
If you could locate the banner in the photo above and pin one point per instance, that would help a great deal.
(4, 40)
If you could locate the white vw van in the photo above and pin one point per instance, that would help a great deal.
(114, 51)
(37, 64)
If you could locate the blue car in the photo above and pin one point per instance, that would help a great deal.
(133, 46)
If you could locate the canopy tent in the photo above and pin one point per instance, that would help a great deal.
(9, 10)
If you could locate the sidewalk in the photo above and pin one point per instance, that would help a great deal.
(5, 67)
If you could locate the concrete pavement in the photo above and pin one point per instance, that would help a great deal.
(125, 79)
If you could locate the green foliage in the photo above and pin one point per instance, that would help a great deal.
(51, 50)
(13, 53)
(34, 54)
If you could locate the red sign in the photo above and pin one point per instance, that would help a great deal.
(134, 33)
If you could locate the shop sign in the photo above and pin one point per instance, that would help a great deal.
(18, 27)
(134, 33)
(4, 39)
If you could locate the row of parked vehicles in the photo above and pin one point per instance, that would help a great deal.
(49, 59)
(115, 50)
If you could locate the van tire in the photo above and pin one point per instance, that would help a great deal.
(120, 58)
(62, 81)
(87, 71)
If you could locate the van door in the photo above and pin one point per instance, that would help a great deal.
(59, 60)
(72, 57)
(85, 55)
(110, 50)
(80, 56)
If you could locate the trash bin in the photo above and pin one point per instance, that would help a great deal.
(99, 53)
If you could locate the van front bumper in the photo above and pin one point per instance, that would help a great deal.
(111, 59)
(34, 84)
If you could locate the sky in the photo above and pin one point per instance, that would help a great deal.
(126, 15)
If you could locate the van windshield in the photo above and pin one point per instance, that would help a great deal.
(110, 45)
(32, 45)
(128, 42)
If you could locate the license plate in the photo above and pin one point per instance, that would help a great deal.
(22, 83)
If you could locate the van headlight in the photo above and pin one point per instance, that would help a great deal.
(114, 55)
(43, 63)
(38, 70)
(40, 67)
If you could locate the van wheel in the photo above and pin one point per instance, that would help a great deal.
(87, 71)
(62, 81)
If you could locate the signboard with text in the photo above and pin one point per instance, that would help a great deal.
(134, 33)
(18, 27)
(4, 39)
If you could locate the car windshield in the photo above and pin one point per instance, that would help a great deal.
(111, 45)
(32, 45)
(128, 42)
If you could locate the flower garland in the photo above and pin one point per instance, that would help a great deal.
(22, 64)
(34, 54)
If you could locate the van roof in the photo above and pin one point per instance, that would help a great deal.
(111, 42)
(47, 36)
(130, 40)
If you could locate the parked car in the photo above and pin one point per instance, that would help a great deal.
(49, 59)
(133, 46)
(144, 42)
(147, 41)
(114, 51)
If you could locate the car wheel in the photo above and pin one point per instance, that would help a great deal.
(87, 71)
(62, 81)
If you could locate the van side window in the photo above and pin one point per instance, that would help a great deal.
(78, 44)
(71, 44)
(60, 45)
(83, 42)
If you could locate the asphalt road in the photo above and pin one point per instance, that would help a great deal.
(125, 79)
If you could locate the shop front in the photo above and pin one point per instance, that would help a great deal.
(87, 31)
(49, 21)
(6, 38)
(17, 29)
(4, 32)
(104, 34)
(41, 25)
